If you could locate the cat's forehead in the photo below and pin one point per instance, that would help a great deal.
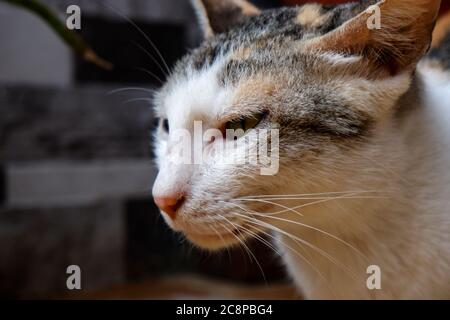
(262, 45)
(269, 30)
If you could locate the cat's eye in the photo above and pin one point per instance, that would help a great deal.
(246, 123)
(165, 125)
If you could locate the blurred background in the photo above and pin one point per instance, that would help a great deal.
(76, 166)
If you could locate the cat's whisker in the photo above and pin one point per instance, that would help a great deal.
(151, 57)
(304, 196)
(130, 89)
(302, 257)
(271, 216)
(149, 100)
(252, 212)
(293, 237)
(260, 239)
(273, 203)
(315, 229)
(142, 33)
(287, 208)
(221, 239)
(159, 55)
(151, 74)
(319, 200)
(311, 194)
(272, 247)
(313, 198)
(293, 209)
(245, 246)
(307, 205)
(297, 239)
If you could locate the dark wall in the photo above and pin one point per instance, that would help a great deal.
(75, 158)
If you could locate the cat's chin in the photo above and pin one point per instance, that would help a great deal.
(212, 242)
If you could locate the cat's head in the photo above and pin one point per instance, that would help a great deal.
(327, 78)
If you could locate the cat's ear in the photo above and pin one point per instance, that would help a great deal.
(391, 45)
(217, 16)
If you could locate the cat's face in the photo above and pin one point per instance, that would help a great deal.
(287, 70)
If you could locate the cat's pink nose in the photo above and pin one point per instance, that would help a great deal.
(170, 204)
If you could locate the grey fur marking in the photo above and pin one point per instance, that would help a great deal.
(271, 38)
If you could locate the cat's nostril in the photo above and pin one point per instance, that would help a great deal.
(170, 205)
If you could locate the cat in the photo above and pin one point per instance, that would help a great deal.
(363, 186)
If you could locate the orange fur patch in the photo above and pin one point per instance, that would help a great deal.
(214, 13)
(441, 30)
(253, 90)
(401, 42)
(247, 8)
(310, 15)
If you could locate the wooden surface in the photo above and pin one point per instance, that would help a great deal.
(189, 287)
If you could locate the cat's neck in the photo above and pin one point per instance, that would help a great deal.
(409, 161)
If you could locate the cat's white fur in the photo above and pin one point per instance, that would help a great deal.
(406, 235)
(211, 100)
